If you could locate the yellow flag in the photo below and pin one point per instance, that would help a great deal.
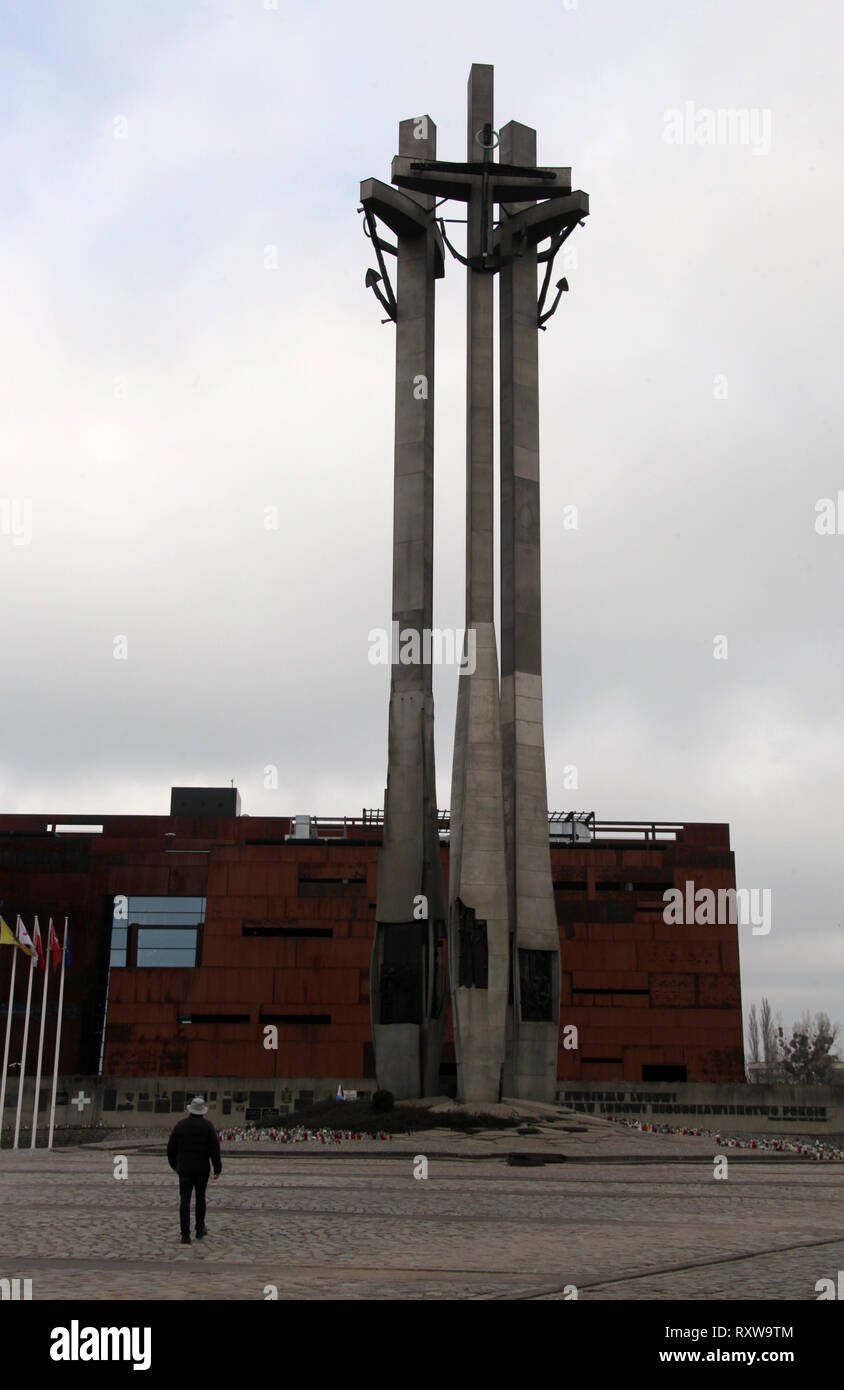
(8, 938)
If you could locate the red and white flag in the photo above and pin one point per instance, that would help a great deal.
(24, 938)
(36, 941)
(54, 946)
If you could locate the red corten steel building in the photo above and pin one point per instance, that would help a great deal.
(190, 933)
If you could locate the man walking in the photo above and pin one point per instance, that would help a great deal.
(191, 1149)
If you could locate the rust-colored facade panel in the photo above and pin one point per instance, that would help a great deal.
(609, 979)
(371, 881)
(134, 879)
(185, 882)
(600, 1071)
(706, 835)
(234, 907)
(288, 931)
(231, 948)
(312, 854)
(314, 1058)
(265, 878)
(323, 954)
(713, 1063)
(693, 933)
(671, 991)
(594, 931)
(718, 991)
(584, 957)
(231, 982)
(25, 886)
(329, 987)
(729, 957)
(637, 931)
(330, 871)
(218, 881)
(638, 1015)
(126, 1011)
(671, 956)
(163, 1057)
(226, 928)
(331, 911)
(152, 986)
(354, 1014)
(637, 1058)
(212, 1058)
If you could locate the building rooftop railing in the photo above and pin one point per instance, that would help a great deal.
(564, 827)
(579, 827)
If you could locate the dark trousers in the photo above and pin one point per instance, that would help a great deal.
(187, 1182)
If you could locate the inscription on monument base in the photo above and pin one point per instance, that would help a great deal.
(665, 1103)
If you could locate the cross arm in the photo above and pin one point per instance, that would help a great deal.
(543, 219)
(404, 216)
(444, 180)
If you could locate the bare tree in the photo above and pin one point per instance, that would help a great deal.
(753, 1045)
(769, 1033)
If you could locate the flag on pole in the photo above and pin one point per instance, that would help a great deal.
(43, 959)
(24, 934)
(36, 941)
(54, 947)
(64, 954)
(24, 938)
(7, 936)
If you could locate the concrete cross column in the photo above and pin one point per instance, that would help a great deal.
(478, 947)
(408, 990)
(533, 1018)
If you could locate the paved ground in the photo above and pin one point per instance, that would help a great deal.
(628, 1216)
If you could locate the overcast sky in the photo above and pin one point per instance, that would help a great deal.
(163, 386)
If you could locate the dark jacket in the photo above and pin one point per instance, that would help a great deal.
(193, 1146)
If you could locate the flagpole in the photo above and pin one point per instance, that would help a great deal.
(40, 1043)
(58, 1039)
(8, 1037)
(23, 1050)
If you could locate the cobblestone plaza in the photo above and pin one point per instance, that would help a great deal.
(627, 1215)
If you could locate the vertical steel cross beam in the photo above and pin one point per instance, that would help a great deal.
(533, 1018)
(478, 949)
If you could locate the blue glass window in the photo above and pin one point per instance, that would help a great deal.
(167, 931)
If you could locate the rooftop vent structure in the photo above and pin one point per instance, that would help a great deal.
(302, 828)
(571, 827)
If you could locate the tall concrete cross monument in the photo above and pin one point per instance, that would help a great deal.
(408, 988)
(502, 937)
